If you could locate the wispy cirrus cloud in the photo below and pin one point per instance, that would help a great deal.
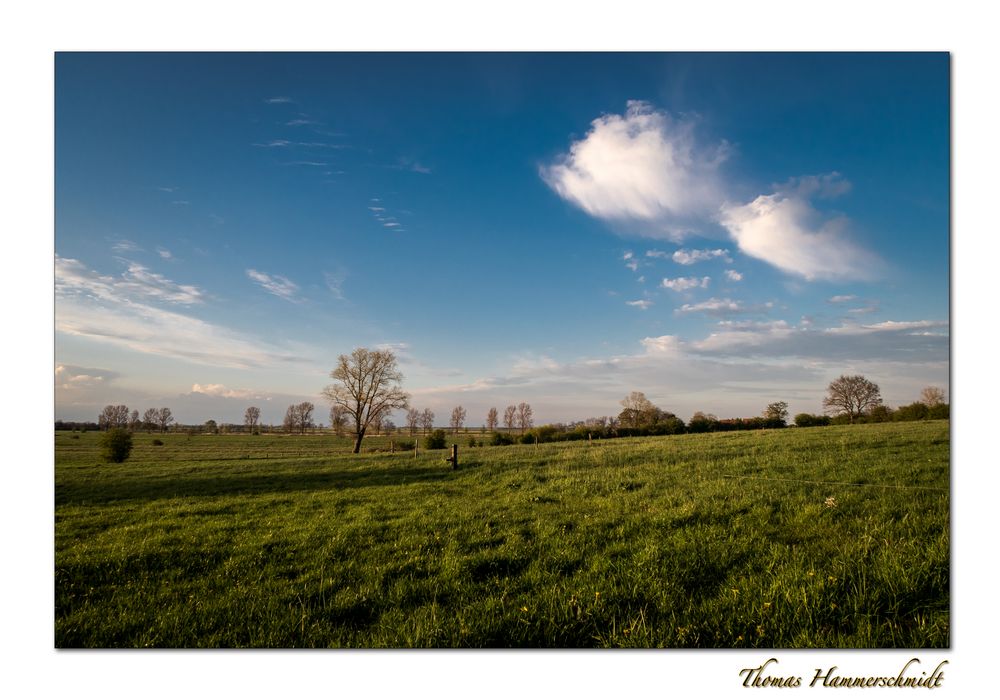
(724, 307)
(279, 100)
(411, 165)
(381, 215)
(137, 282)
(640, 303)
(125, 246)
(278, 285)
(125, 311)
(335, 283)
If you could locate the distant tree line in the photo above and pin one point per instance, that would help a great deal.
(368, 391)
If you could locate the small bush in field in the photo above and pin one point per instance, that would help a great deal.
(157, 441)
(116, 445)
(501, 439)
(436, 440)
(405, 445)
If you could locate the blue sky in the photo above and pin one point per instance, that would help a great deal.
(716, 230)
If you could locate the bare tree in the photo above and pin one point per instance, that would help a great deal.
(338, 419)
(524, 413)
(368, 385)
(113, 417)
(164, 418)
(427, 419)
(457, 418)
(133, 420)
(509, 416)
(852, 395)
(251, 418)
(932, 396)
(151, 418)
(304, 413)
(378, 421)
(492, 419)
(412, 419)
(291, 419)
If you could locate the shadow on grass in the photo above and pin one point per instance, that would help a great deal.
(141, 487)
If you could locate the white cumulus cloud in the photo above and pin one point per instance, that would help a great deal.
(788, 233)
(681, 284)
(643, 165)
(690, 257)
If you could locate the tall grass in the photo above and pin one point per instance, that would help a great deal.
(805, 538)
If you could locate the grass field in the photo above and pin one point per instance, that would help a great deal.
(798, 538)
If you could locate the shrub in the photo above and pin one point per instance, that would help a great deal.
(74, 437)
(436, 440)
(472, 442)
(914, 411)
(498, 439)
(405, 446)
(880, 414)
(939, 411)
(808, 420)
(116, 445)
(157, 441)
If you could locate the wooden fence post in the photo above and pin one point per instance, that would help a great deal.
(454, 457)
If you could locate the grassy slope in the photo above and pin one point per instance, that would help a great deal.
(689, 541)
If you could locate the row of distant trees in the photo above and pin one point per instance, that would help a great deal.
(119, 416)
(368, 391)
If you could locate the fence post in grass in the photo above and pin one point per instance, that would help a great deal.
(454, 457)
(392, 447)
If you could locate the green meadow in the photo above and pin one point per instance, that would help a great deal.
(831, 537)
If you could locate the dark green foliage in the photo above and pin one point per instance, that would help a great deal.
(914, 411)
(702, 423)
(116, 445)
(808, 420)
(498, 439)
(472, 442)
(941, 411)
(157, 441)
(405, 445)
(879, 414)
(436, 440)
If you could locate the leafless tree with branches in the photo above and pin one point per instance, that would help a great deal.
(524, 416)
(457, 418)
(853, 395)
(251, 418)
(509, 417)
(368, 385)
